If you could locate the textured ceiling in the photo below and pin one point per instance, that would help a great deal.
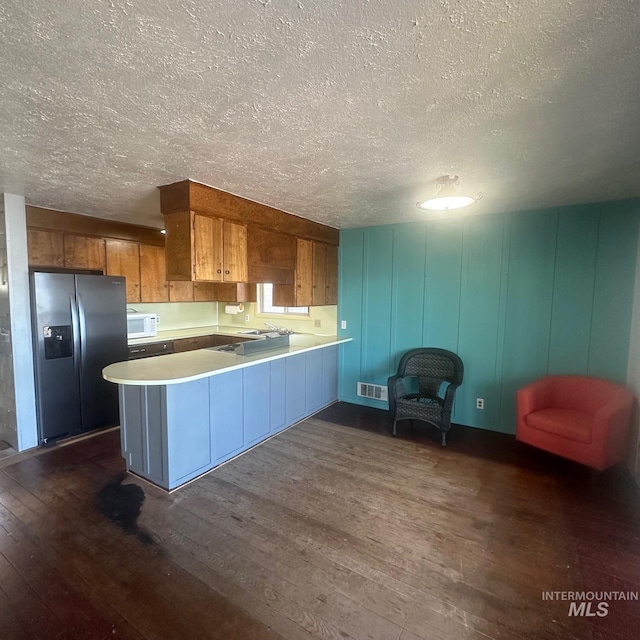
(345, 112)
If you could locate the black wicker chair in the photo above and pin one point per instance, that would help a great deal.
(416, 392)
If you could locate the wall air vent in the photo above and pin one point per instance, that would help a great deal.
(374, 391)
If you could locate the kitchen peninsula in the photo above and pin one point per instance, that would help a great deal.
(183, 414)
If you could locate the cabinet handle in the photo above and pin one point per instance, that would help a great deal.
(219, 271)
(227, 272)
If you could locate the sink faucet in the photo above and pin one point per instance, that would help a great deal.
(283, 331)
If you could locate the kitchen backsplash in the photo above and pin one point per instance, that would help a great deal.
(187, 315)
(326, 317)
(180, 315)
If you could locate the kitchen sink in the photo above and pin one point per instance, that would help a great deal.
(257, 332)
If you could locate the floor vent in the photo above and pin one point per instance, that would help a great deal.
(375, 391)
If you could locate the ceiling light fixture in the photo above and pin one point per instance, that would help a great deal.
(448, 197)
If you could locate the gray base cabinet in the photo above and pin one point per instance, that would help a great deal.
(173, 433)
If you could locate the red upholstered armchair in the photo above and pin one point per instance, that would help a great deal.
(576, 417)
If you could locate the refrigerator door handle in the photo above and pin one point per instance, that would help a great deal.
(75, 323)
(82, 321)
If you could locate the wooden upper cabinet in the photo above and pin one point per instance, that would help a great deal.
(123, 259)
(316, 277)
(57, 249)
(235, 292)
(224, 292)
(271, 256)
(220, 250)
(204, 292)
(325, 274)
(331, 277)
(153, 274)
(300, 293)
(84, 252)
(259, 243)
(200, 198)
(205, 249)
(180, 291)
(45, 248)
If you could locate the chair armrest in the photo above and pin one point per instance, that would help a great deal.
(611, 422)
(396, 387)
(534, 396)
(449, 394)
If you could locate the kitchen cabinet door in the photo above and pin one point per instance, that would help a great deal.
(304, 274)
(331, 278)
(299, 294)
(204, 291)
(234, 252)
(153, 274)
(83, 252)
(123, 259)
(225, 394)
(190, 447)
(45, 248)
(313, 386)
(235, 292)
(179, 228)
(220, 250)
(271, 256)
(295, 387)
(329, 375)
(207, 248)
(316, 277)
(181, 291)
(319, 273)
(256, 402)
(277, 396)
(325, 274)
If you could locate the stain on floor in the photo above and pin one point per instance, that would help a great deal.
(122, 503)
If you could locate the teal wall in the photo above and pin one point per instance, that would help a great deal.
(517, 296)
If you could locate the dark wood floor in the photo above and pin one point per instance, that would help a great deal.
(331, 530)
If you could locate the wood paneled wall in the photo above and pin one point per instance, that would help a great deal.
(517, 296)
(38, 217)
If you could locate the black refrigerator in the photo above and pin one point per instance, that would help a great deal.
(79, 327)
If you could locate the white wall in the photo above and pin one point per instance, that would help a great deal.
(321, 320)
(17, 385)
(180, 315)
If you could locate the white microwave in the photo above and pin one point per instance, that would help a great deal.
(142, 325)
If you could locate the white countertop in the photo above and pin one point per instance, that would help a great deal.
(175, 368)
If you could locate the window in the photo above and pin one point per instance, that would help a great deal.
(265, 303)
